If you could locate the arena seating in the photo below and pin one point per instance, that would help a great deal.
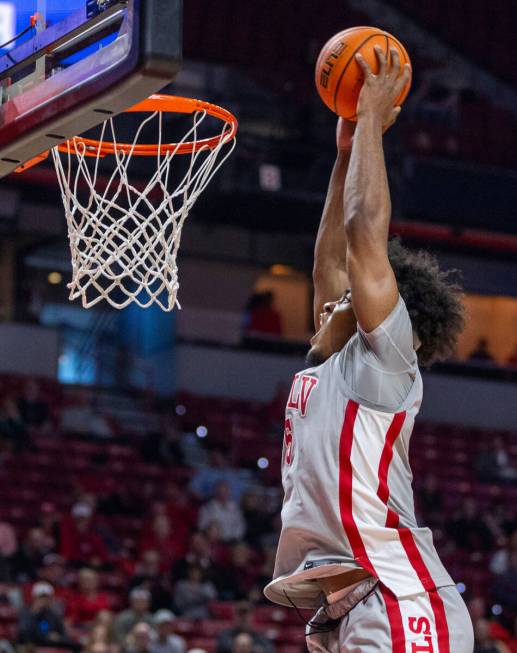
(57, 467)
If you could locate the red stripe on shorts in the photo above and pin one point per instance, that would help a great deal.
(398, 638)
(440, 619)
(345, 487)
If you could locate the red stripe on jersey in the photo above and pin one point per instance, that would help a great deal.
(440, 619)
(383, 491)
(398, 638)
(345, 487)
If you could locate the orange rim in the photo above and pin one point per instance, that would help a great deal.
(155, 103)
(164, 104)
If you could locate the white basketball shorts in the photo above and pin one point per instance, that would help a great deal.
(431, 622)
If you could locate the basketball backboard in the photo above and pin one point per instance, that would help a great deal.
(67, 65)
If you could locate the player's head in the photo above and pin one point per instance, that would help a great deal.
(433, 302)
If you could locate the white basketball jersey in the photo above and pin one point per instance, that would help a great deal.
(348, 498)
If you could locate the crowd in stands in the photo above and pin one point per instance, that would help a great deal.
(161, 542)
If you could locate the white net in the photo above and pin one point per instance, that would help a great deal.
(124, 237)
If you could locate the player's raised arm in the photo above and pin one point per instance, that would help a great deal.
(329, 271)
(367, 206)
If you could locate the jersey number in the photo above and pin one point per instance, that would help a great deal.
(288, 441)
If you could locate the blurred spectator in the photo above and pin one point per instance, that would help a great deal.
(139, 639)
(205, 479)
(85, 603)
(243, 643)
(180, 507)
(485, 643)
(193, 594)
(137, 613)
(80, 417)
(166, 640)
(257, 520)
(469, 529)
(148, 574)
(237, 577)
(53, 571)
(80, 542)
(481, 353)
(199, 553)
(504, 587)
(34, 410)
(100, 637)
(8, 547)
(493, 463)
(225, 511)
(29, 557)
(161, 537)
(40, 624)
(13, 431)
(163, 447)
(261, 316)
(431, 500)
(243, 623)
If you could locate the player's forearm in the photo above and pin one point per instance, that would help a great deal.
(331, 239)
(367, 205)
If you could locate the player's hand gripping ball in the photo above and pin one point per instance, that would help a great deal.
(339, 77)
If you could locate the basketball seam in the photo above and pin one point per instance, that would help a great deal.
(352, 56)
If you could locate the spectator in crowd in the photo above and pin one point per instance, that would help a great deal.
(34, 409)
(493, 463)
(257, 520)
(243, 643)
(148, 574)
(261, 316)
(13, 431)
(80, 416)
(161, 537)
(8, 547)
(53, 571)
(504, 587)
(193, 594)
(87, 601)
(81, 544)
(481, 352)
(137, 613)
(237, 577)
(485, 643)
(29, 556)
(430, 500)
(243, 623)
(180, 507)
(163, 447)
(100, 637)
(205, 479)
(139, 640)
(225, 511)
(40, 624)
(166, 640)
(199, 553)
(469, 529)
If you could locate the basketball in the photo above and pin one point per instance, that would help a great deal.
(339, 78)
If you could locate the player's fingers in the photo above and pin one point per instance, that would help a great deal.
(381, 59)
(403, 79)
(367, 71)
(395, 62)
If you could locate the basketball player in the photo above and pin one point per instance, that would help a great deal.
(350, 546)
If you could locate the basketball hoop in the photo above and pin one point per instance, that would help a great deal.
(124, 240)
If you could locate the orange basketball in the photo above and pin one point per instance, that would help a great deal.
(338, 76)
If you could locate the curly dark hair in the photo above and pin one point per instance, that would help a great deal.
(433, 300)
